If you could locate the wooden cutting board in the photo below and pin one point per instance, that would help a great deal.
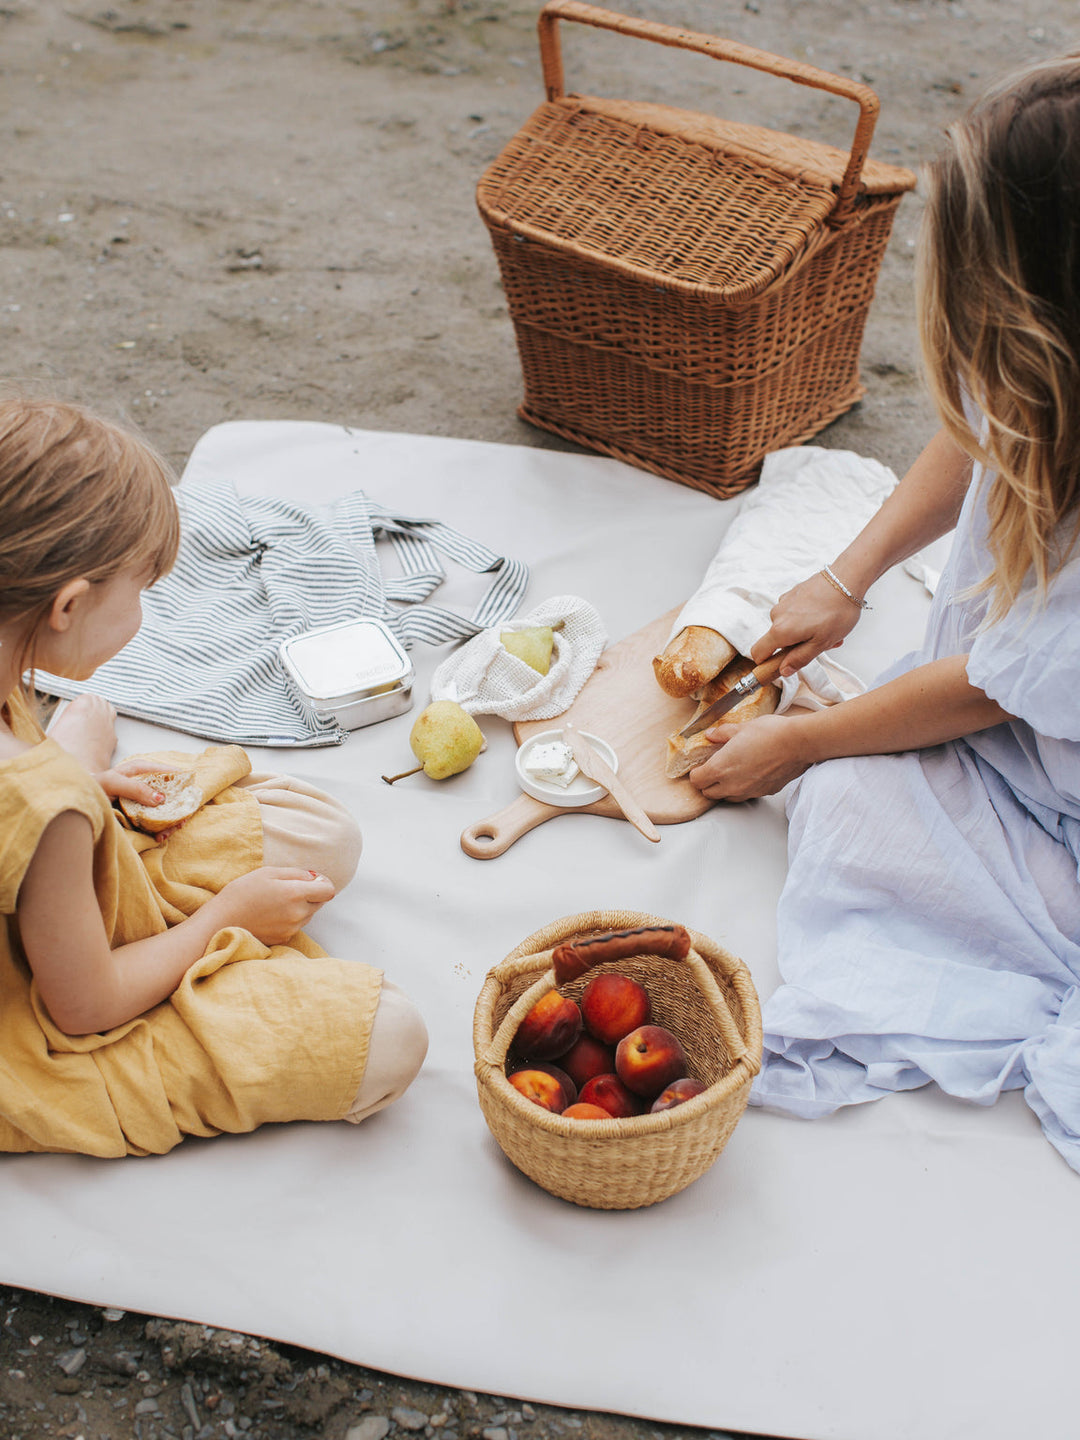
(622, 703)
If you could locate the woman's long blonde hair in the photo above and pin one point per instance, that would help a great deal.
(999, 312)
(79, 497)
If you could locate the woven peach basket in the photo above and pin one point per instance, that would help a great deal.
(705, 996)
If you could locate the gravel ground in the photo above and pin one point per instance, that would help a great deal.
(263, 209)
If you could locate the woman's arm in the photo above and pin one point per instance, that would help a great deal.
(88, 987)
(924, 506)
(927, 706)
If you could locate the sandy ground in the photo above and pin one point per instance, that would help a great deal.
(263, 209)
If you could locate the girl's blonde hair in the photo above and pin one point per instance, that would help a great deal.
(999, 312)
(79, 497)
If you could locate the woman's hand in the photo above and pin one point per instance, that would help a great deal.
(273, 902)
(756, 758)
(813, 613)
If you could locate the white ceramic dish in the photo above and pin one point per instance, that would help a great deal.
(580, 791)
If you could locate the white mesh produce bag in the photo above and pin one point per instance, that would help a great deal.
(485, 679)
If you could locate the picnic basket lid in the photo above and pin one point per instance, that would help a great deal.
(675, 197)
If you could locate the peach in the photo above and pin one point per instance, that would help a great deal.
(586, 1058)
(613, 1005)
(609, 1092)
(541, 1088)
(585, 1112)
(649, 1059)
(569, 1088)
(549, 1029)
(676, 1093)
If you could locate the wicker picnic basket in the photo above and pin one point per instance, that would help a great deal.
(706, 998)
(687, 293)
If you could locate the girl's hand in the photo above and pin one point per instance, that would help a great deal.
(273, 902)
(122, 782)
(757, 758)
(812, 612)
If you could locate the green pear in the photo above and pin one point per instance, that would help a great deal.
(445, 739)
(532, 645)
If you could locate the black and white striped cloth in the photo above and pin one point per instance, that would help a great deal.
(255, 570)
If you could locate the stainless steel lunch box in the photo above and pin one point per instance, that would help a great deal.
(352, 674)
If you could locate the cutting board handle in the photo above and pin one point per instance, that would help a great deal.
(494, 836)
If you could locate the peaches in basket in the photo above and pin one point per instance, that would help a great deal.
(602, 1059)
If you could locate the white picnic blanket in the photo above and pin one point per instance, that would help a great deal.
(900, 1271)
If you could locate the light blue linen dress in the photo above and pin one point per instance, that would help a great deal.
(929, 928)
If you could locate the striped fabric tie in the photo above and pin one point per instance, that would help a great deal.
(252, 572)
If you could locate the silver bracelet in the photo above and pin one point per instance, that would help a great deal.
(838, 584)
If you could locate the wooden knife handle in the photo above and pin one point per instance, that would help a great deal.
(770, 669)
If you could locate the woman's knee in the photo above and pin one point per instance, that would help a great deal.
(396, 1051)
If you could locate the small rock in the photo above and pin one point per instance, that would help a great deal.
(72, 1361)
(187, 1400)
(412, 1419)
(371, 1427)
(120, 1363)
(67, 1386)
(528, 1413)
(148, 1406)
(495, 1432)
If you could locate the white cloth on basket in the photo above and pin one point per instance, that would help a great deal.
(485, 679)
(808, 505)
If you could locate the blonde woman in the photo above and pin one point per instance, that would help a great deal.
(152, 987)
(930, 924)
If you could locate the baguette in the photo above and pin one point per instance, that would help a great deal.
(694, 657)
(684, 752)
(182, 798)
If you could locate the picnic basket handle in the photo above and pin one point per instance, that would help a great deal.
(718, 49)
(571, 960)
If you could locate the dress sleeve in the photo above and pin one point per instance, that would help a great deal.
(1029, 661)
(35, 787)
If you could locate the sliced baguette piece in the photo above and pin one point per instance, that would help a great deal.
(694, 657)
(684, 752)
(182, 798)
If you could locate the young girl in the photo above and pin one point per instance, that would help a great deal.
(152, 988)
(930, 924)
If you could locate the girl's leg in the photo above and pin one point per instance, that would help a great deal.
(399, 1042)
(305, 827)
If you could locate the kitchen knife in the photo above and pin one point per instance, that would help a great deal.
(591, 764)
(748, 685)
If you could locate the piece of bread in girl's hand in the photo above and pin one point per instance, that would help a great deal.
(182, 798)
(684, 752)
(694, 657)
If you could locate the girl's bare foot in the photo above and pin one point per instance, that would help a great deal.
(86, 729)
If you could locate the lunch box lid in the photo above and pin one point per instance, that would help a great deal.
(341, 664)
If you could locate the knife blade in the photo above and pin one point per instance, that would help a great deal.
(596, 768)
(750, 684)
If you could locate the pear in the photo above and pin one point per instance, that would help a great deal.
(532, 645)
(445, 739)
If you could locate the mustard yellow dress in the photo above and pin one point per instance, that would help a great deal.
(252, 1034)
